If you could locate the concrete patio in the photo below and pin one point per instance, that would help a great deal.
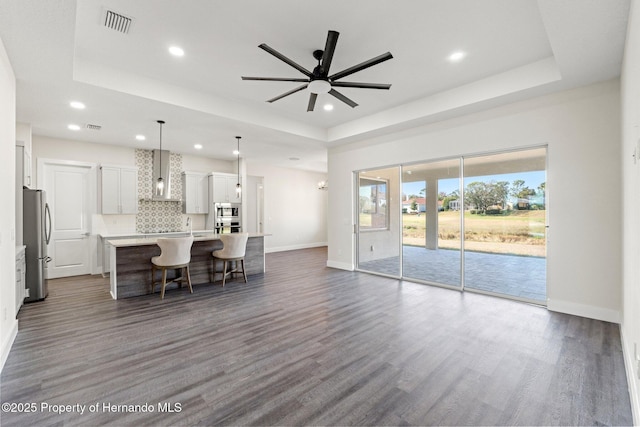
(511, 275)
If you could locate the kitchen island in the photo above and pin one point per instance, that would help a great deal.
(130, 262)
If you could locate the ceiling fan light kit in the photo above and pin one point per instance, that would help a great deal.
(319, 81)
(319, 86)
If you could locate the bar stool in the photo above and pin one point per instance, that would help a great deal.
(233, 249)
(175, 254)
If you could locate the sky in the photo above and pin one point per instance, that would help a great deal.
(531, 180)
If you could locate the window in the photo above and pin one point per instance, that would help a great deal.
(373, 206)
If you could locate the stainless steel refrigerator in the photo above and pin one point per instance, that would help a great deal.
(36, 235)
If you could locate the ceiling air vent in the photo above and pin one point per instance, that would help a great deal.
(93, 127)
(117, 21)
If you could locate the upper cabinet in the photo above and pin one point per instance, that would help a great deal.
(24, 173)
(195, 193)
(119, 189)
(23, 164)
(222, 187)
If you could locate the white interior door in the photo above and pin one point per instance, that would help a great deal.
(67, 187)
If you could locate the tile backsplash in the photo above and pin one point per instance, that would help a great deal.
(154, 215)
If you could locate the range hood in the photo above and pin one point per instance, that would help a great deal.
(162, 169)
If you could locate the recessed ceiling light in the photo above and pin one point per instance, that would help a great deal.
(73, 127)
(141, 137)
(328, 107)
(457, 56)
(77, 104)
(176, 51)
(198, 146)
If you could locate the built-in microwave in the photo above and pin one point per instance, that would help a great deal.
(226, 210)
(227, 218)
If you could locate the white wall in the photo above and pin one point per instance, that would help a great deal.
(581, 128)
(8, 322)
(295, 210)
(53, 148)
(630, 88)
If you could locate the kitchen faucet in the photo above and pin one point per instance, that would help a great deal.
(189, 225)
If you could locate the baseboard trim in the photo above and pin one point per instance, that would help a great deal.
(295, 247)
(340, 265)
(8, 343)
(630, 368)
(583, 310)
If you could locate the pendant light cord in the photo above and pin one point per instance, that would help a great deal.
(160, 121)
(238, 186)
(159, 185)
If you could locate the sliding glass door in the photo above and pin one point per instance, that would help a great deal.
(431, 222)
(472, 223)
(505, 224)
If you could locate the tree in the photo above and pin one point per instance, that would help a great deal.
(477, 194)
(542, 193)
(516, 187)
(542, 187)
(501, 190)
(482, 195)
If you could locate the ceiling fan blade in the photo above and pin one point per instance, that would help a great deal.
(283, 58)
(275, 79)
(343, 98)
(329, 49)
(361, 66)
(312, 101)
(298, 89)
(361, 85)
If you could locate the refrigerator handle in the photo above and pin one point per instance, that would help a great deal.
(47, 229)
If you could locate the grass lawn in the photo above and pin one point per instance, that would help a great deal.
(520, 232)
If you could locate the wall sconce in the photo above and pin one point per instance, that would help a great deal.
(323, 185)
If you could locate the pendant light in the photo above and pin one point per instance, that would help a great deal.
(238, 186)
(160, 181)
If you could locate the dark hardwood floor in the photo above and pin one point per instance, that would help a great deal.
(304, 344)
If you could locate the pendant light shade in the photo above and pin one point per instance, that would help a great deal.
(238, 186)
(160, 182)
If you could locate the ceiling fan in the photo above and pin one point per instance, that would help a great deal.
(320, 81)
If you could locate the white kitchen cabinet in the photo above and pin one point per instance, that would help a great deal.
(223, 188)
(20, 277)
(119, 189)
(195, 193)
(23, 163)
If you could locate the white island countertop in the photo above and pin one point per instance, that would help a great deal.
(144, 241)
(134, 235)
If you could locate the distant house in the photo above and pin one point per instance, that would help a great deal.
(420, 204)
(523, 203)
